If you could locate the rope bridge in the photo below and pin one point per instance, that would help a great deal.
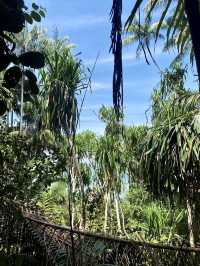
(28, 239)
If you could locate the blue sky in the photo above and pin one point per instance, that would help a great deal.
(87, 25)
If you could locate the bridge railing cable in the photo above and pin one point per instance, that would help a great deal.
(96, 249)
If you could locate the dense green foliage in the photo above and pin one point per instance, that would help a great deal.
(117, 172)
(152, 220)
(114, 173)
(26, 168)
(139, 182)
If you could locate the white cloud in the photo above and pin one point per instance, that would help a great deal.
(129, 56)
(77, 22)
(126, 56)
(109, 59)
(100, 61)
(86, 119)
(101, 86)
(92, 108)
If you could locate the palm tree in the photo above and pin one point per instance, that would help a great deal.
(84, 182)
(110, 165)
(184, 20)
(170, 161)
(178, 39)
(142, 34)
(132, 141)
(86, 145)
(62, 80)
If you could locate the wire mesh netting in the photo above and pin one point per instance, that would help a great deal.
(32, 239)
(92, 249)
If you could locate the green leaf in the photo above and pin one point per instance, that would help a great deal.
(151, 9)
(173, 19)
(34, 6)
(133, 12)
(42, 13)
(180, 40)
(35, 16)
(177, 20)
(163, 17)
(184, 39)
(28, 18)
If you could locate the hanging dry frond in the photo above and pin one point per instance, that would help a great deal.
(116, 48)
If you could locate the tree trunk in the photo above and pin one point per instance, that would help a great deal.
(12, 119)
(193, 16)
(190, 217)
(117, 213)
(73, 180)
(123, 223)
(106, 199)
(197, 216)
(8, 120)
(83, 207)
(71, 193)
(190, 223)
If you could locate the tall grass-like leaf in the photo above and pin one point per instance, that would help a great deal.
(162, 18)
(133, 12)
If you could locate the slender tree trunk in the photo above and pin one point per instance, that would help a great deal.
(117, 209)
(197, 216)
(83, 207)
(73, 198)
(190, 223)
(71, 193)
(193, 15)
(12, 119)
(8, 120)
(73, 170)
(22, 104)
(123, 223)
(106, 199)
(190, 212)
